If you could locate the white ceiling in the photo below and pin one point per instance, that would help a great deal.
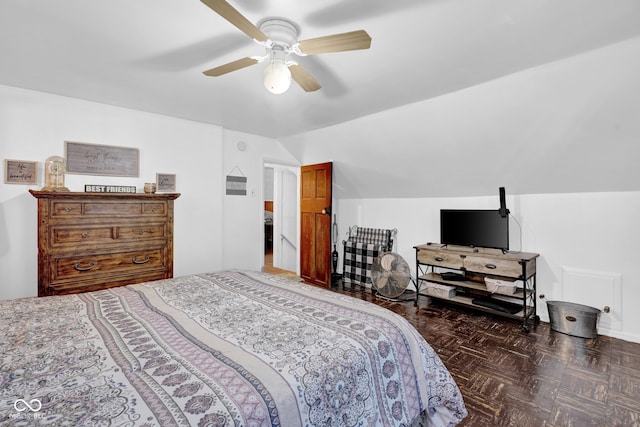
(150, 54)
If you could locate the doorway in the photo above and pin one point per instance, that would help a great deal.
(281, 223)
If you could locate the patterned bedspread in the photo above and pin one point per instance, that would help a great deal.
(220, 349)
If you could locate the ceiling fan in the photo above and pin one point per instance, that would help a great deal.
(279, 36)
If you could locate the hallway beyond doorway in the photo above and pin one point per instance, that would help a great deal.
(269, 268)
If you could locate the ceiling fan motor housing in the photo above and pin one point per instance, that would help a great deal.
(282, 35)
(281, 32)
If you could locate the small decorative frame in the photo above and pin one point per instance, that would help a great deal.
(236, 184)
(95, 159)
(20, 172)
(165, 182)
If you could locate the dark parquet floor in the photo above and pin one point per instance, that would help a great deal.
(511, 378)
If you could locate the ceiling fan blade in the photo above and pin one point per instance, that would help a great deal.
(303, 78)
(228, 12)
(231, 66)
(353, 40)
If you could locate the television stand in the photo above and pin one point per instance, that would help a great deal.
(476, 263)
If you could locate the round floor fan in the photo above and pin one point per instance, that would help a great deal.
(390, 275)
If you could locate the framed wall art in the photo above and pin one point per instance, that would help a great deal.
(96, 159)
(236, 184)
(20, 172)
(165, 182)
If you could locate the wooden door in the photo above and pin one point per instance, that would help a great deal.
(315, 224)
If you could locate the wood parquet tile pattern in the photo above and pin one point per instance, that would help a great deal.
(543, 378)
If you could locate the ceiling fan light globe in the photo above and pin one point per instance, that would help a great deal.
(277, 77)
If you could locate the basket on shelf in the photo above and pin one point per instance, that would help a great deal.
(500, 286)
(441, 291)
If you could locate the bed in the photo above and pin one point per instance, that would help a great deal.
(230, 348)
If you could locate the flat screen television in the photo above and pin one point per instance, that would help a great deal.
(482, 228)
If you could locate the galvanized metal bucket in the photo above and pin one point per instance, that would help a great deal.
(573, 319)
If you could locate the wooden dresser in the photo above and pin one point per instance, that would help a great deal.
(92, 241)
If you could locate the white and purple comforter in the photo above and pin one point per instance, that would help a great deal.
(220, 349)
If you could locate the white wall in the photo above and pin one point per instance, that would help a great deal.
(34, 126)
(243, 216)
(565, 127)
(594, 234)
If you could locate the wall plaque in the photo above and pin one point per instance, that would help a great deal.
(91, 188)
(20, 172)
(95, 159)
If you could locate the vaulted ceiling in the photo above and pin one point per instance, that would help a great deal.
(150, 54)
(454, 97)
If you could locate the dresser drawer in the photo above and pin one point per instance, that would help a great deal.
(66, 208)
(99, 283)
(439, 258)
(141, 232)
(76, 267)
(97, 234)
(154, 208)
(62, 209)
(495, 266)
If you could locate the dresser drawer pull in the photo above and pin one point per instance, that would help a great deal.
(153, 209)
(491, 266)
(439, 259)
(134, 259)
(67, 210)
(141, 232)
(85, 235)
(78, 267)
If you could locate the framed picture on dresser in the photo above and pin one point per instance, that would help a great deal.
(165, 182)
